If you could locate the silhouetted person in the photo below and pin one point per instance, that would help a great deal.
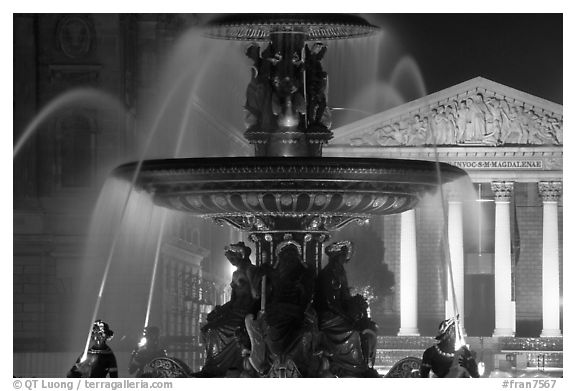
(100, 360)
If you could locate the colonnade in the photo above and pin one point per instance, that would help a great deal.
(505, 313)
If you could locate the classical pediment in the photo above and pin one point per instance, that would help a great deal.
(478, 112)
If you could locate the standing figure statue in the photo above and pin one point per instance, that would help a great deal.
(148, 348)
(445, 359)
(224, 330)
(318, 114)
(258, 106)
(348, 334)
(285, 64)
(255, 89)
(100, 360)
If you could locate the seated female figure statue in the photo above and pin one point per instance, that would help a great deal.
(348, 333)
(445, 359)
(288, 296)
(225, 323)
(100, 360)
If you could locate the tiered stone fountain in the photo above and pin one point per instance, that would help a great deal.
(287, 192)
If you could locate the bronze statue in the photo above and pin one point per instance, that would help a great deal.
(148, 348)
(283, 337)
(258, 107)
(445, 359)
(288, 87)
(316, 86)
(225, 324)
(349, 335)
(100, 360)
(283, 59)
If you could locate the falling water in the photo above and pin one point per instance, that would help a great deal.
(407, 78)
(155, 267)
(177, 147)
(217, 74)
(370, 75)
(461, 190)
(122, 213)
(192, 80)
(368, 84)
(125, 229)
(80, 96)
(113, 245)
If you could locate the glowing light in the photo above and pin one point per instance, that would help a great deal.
(481, 368)
(232, 269)
(142, 342)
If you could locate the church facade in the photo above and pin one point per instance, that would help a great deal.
(503, 226)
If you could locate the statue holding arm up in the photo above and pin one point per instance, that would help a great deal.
(99, 360)
(445, 359)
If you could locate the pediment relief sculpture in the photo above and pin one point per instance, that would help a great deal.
(473, 119)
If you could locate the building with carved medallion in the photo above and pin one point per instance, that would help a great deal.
(504, 224)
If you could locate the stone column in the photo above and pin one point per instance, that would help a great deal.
(456, 246)
(503, 260)
(408, 275)
(550, 194)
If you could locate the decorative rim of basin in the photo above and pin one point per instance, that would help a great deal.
(317, 27)
(241, 188)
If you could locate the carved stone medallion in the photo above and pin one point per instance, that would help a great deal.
(75, 35)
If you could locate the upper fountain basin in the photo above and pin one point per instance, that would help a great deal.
(318, 27)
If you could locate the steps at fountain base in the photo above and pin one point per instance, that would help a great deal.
(512, 354)
(389, 357)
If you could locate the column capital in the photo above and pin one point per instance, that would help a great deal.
(550, 190)
(502, 190)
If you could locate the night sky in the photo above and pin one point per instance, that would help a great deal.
(522, 51)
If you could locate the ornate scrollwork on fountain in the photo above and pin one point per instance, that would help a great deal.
(406, 367)
(309, 193)
(246, 223)
(318, 27)
(169, 367)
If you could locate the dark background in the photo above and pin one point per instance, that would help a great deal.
(522, 51)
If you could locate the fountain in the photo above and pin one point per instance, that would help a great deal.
(287, 197)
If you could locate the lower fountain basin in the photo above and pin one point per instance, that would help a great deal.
(317, 193)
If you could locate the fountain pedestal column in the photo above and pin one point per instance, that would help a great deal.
(504, 320)
(408, 275)
(309, 243)
(550, 193)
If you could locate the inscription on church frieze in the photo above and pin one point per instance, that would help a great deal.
(499, 164)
